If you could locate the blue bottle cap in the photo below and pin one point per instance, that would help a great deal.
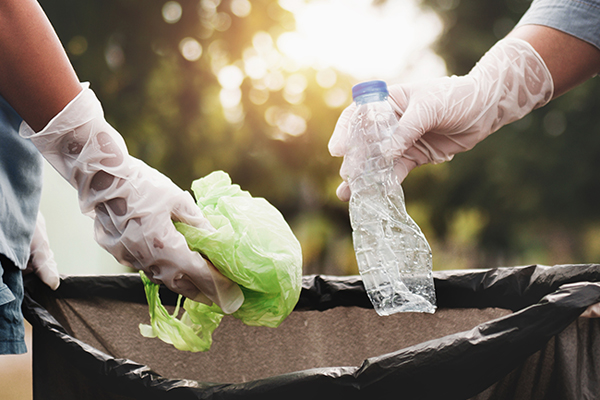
(369, 87)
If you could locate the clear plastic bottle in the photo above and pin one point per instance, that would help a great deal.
(393, 255)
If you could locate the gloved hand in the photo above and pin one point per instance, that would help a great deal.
(132, 204)
(445, 116)
(41, 260)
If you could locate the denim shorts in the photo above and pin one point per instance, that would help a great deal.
(12, 329)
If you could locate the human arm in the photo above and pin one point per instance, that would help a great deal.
(36, 77)
(133, 205)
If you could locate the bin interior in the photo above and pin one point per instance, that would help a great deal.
(341, 336)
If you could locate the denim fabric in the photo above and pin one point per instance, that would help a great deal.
(20, 187)
(579, 18)
(12, 330)
(20, 190)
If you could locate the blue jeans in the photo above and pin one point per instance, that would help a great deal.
(12, 330)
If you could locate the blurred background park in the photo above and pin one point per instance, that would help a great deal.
(254, 88)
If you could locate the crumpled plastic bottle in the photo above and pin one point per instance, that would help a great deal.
(393, 255)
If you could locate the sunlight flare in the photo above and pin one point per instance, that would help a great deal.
(364, 40)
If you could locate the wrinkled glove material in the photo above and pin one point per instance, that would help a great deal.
(252, 245)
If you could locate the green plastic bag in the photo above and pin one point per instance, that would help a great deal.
(252, 245)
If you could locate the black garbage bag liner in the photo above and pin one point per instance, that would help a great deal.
(506, 333)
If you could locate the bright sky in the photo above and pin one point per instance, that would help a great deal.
(389, 41)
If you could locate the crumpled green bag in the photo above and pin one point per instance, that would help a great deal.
(252, 245)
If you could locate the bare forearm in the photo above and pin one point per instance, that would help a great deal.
(571, 61)
(36, 77)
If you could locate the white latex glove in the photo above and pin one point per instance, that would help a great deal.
(132, 204)
(449, 115)
(41, 261)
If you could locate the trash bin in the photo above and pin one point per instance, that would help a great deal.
(506, 333)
